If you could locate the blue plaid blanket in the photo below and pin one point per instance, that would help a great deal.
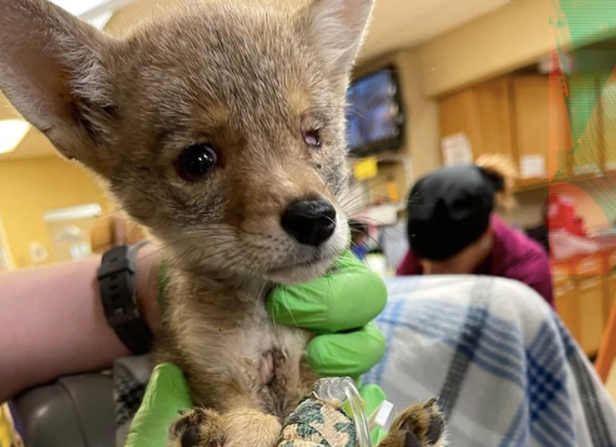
(505, 368)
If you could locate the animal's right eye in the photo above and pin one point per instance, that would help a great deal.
(196, 161)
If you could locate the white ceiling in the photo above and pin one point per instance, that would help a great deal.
(396, 24)
(401, 24)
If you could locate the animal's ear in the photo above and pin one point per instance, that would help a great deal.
(52, 71)
(337, 29)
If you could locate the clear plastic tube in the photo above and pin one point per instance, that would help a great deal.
(343, 389)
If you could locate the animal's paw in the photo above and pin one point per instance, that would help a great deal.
(197, 428)
(420, 425)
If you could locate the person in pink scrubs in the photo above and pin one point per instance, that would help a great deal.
(452, 229)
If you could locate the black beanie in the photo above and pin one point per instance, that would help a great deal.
(449, 209)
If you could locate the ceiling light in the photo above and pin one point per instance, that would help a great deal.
(99, 21)
(96, 12)
(87, 8)
(12, 132)
(78, 7)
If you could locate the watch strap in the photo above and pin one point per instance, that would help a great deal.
(116, 278)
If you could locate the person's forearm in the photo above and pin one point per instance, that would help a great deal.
(52, 321)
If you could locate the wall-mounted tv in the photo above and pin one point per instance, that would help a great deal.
(375, 118)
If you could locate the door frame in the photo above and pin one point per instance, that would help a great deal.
(4, 245)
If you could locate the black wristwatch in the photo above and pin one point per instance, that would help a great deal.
(116, 278)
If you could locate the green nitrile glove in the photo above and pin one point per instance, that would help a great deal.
(339, 307)
(373, 396)
(166, 394)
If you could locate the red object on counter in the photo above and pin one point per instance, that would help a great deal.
(562, 215)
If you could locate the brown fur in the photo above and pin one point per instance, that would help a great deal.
(247, 77)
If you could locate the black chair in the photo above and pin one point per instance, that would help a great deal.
(75, 411)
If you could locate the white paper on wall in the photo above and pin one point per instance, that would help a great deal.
(456, 150)
(532, 166)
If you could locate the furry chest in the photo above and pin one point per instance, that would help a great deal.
(249, 357)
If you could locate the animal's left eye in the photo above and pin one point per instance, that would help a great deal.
(312, 138)
(196, 161)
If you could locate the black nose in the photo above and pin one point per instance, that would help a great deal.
(309, 221)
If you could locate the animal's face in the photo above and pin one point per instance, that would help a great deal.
(221, 127)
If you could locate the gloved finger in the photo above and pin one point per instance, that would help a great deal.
(346, 354)
(373, 396)
(348, 297)
(166, 394)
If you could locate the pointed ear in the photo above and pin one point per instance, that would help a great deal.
(337, 28)
(51, 69)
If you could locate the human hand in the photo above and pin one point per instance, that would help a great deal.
(166, 394)
(339, 307)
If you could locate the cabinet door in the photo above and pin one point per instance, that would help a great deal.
(483, 114)
(566, 306)
(589, 297)
(609, 295)
(532, 120)
(584, 115)
(491, 110)
(456, 117)
(607, 122)
(455, 113)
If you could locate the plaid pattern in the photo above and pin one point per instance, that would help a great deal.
(507, 371)
(130, 376)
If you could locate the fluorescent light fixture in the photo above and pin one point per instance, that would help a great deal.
(99, 21)
(93, 11)
(12, 133)
(81, 7)
(75, 212)
(78, 7)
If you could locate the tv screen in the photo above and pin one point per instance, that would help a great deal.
(375, 120)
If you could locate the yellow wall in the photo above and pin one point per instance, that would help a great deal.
(29, 188)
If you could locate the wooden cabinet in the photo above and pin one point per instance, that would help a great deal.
(609, 295)
(607, 122)
(455, 114)
(532, 128)
(585, 120)
(582, 295)
(588, 296)
(566, 305)
(490, 103)
(538, 124)
(510, 116)
(483, 114)
(609, 282)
